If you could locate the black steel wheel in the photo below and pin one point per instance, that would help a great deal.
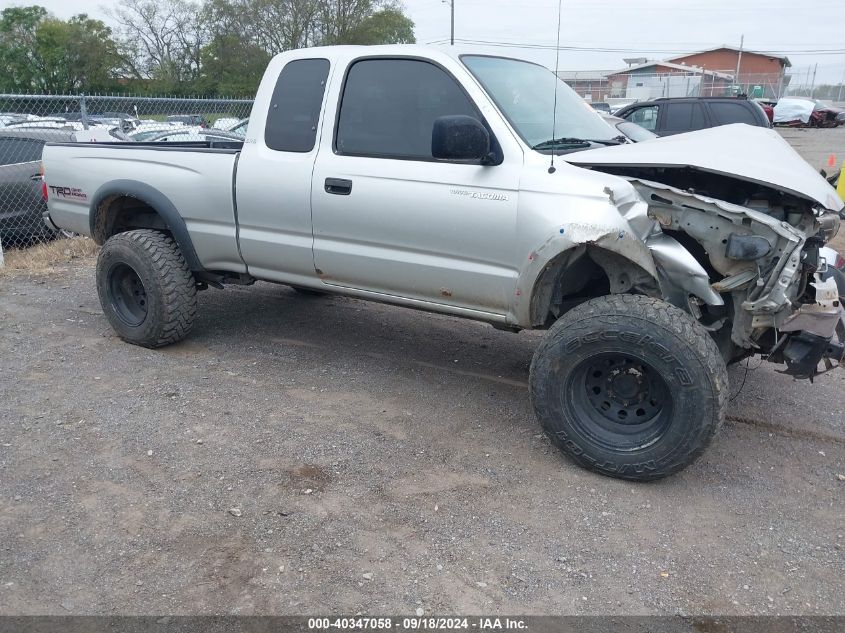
(629, 386)
(127, 295)
(622, 402)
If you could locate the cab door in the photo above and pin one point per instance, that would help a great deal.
(274, 171)
(389, 218)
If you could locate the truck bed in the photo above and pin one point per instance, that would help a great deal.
(197, 178)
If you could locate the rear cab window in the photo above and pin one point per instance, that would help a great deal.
(294, 112)
(389, 106)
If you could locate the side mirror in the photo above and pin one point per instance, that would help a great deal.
(459, 137)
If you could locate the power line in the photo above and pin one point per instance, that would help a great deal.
(608, 49)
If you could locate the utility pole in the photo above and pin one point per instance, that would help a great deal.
(813, 85)
(839, 98)
(452, 30)
(739, 58)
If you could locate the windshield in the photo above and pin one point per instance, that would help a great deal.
(525, 92)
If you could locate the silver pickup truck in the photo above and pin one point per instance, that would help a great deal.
(483, 187)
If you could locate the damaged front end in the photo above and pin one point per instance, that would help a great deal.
(777, 298)
(740, 253)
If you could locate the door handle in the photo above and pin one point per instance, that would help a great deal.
(338, 186)
(35, 177)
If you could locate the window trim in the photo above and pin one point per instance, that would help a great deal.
(495, 147)
(319, 113)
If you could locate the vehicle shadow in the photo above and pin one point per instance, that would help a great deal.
(402, 343)
(347, 329)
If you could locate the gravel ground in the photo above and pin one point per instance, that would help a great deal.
(303, 455)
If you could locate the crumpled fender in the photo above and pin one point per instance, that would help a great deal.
(563, 245)
(680, 273)
(636, 241)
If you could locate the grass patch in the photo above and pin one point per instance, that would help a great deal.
(211, 116)
(48, 257)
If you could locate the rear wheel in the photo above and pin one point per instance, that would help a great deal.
(629, 387)
(147, 292)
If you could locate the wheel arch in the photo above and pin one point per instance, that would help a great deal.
(123, 205)
(587, 271)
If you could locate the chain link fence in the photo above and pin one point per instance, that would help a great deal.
(602, 86)
(28, 122)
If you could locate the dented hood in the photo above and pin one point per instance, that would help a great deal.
(754, 154)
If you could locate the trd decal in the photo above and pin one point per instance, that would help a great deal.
(68, 192)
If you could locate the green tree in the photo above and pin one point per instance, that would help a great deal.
(387, 26)
(231, 66)
(41, 53)
(77, 55)
(243, 34)
(18, 26)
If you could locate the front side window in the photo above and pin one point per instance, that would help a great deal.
(525, 93)
(389, 107)
(295, 106)
(645, 117)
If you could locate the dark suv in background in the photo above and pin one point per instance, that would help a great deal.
(23, 203)
(667, 116)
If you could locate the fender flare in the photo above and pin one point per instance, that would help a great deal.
(157, 201)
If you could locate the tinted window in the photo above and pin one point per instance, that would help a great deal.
(699, 122)
(726, 112)
(20, 150)
(683, 117)
(295, 106)
(389, 107)
(644, 117)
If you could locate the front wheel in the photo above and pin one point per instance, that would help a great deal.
(146, 289)
(629, 386)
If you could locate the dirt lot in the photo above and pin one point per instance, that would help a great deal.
(305, 455)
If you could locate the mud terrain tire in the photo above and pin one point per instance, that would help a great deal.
(147, 292)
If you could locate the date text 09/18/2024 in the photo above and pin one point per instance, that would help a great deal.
(419, 623)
